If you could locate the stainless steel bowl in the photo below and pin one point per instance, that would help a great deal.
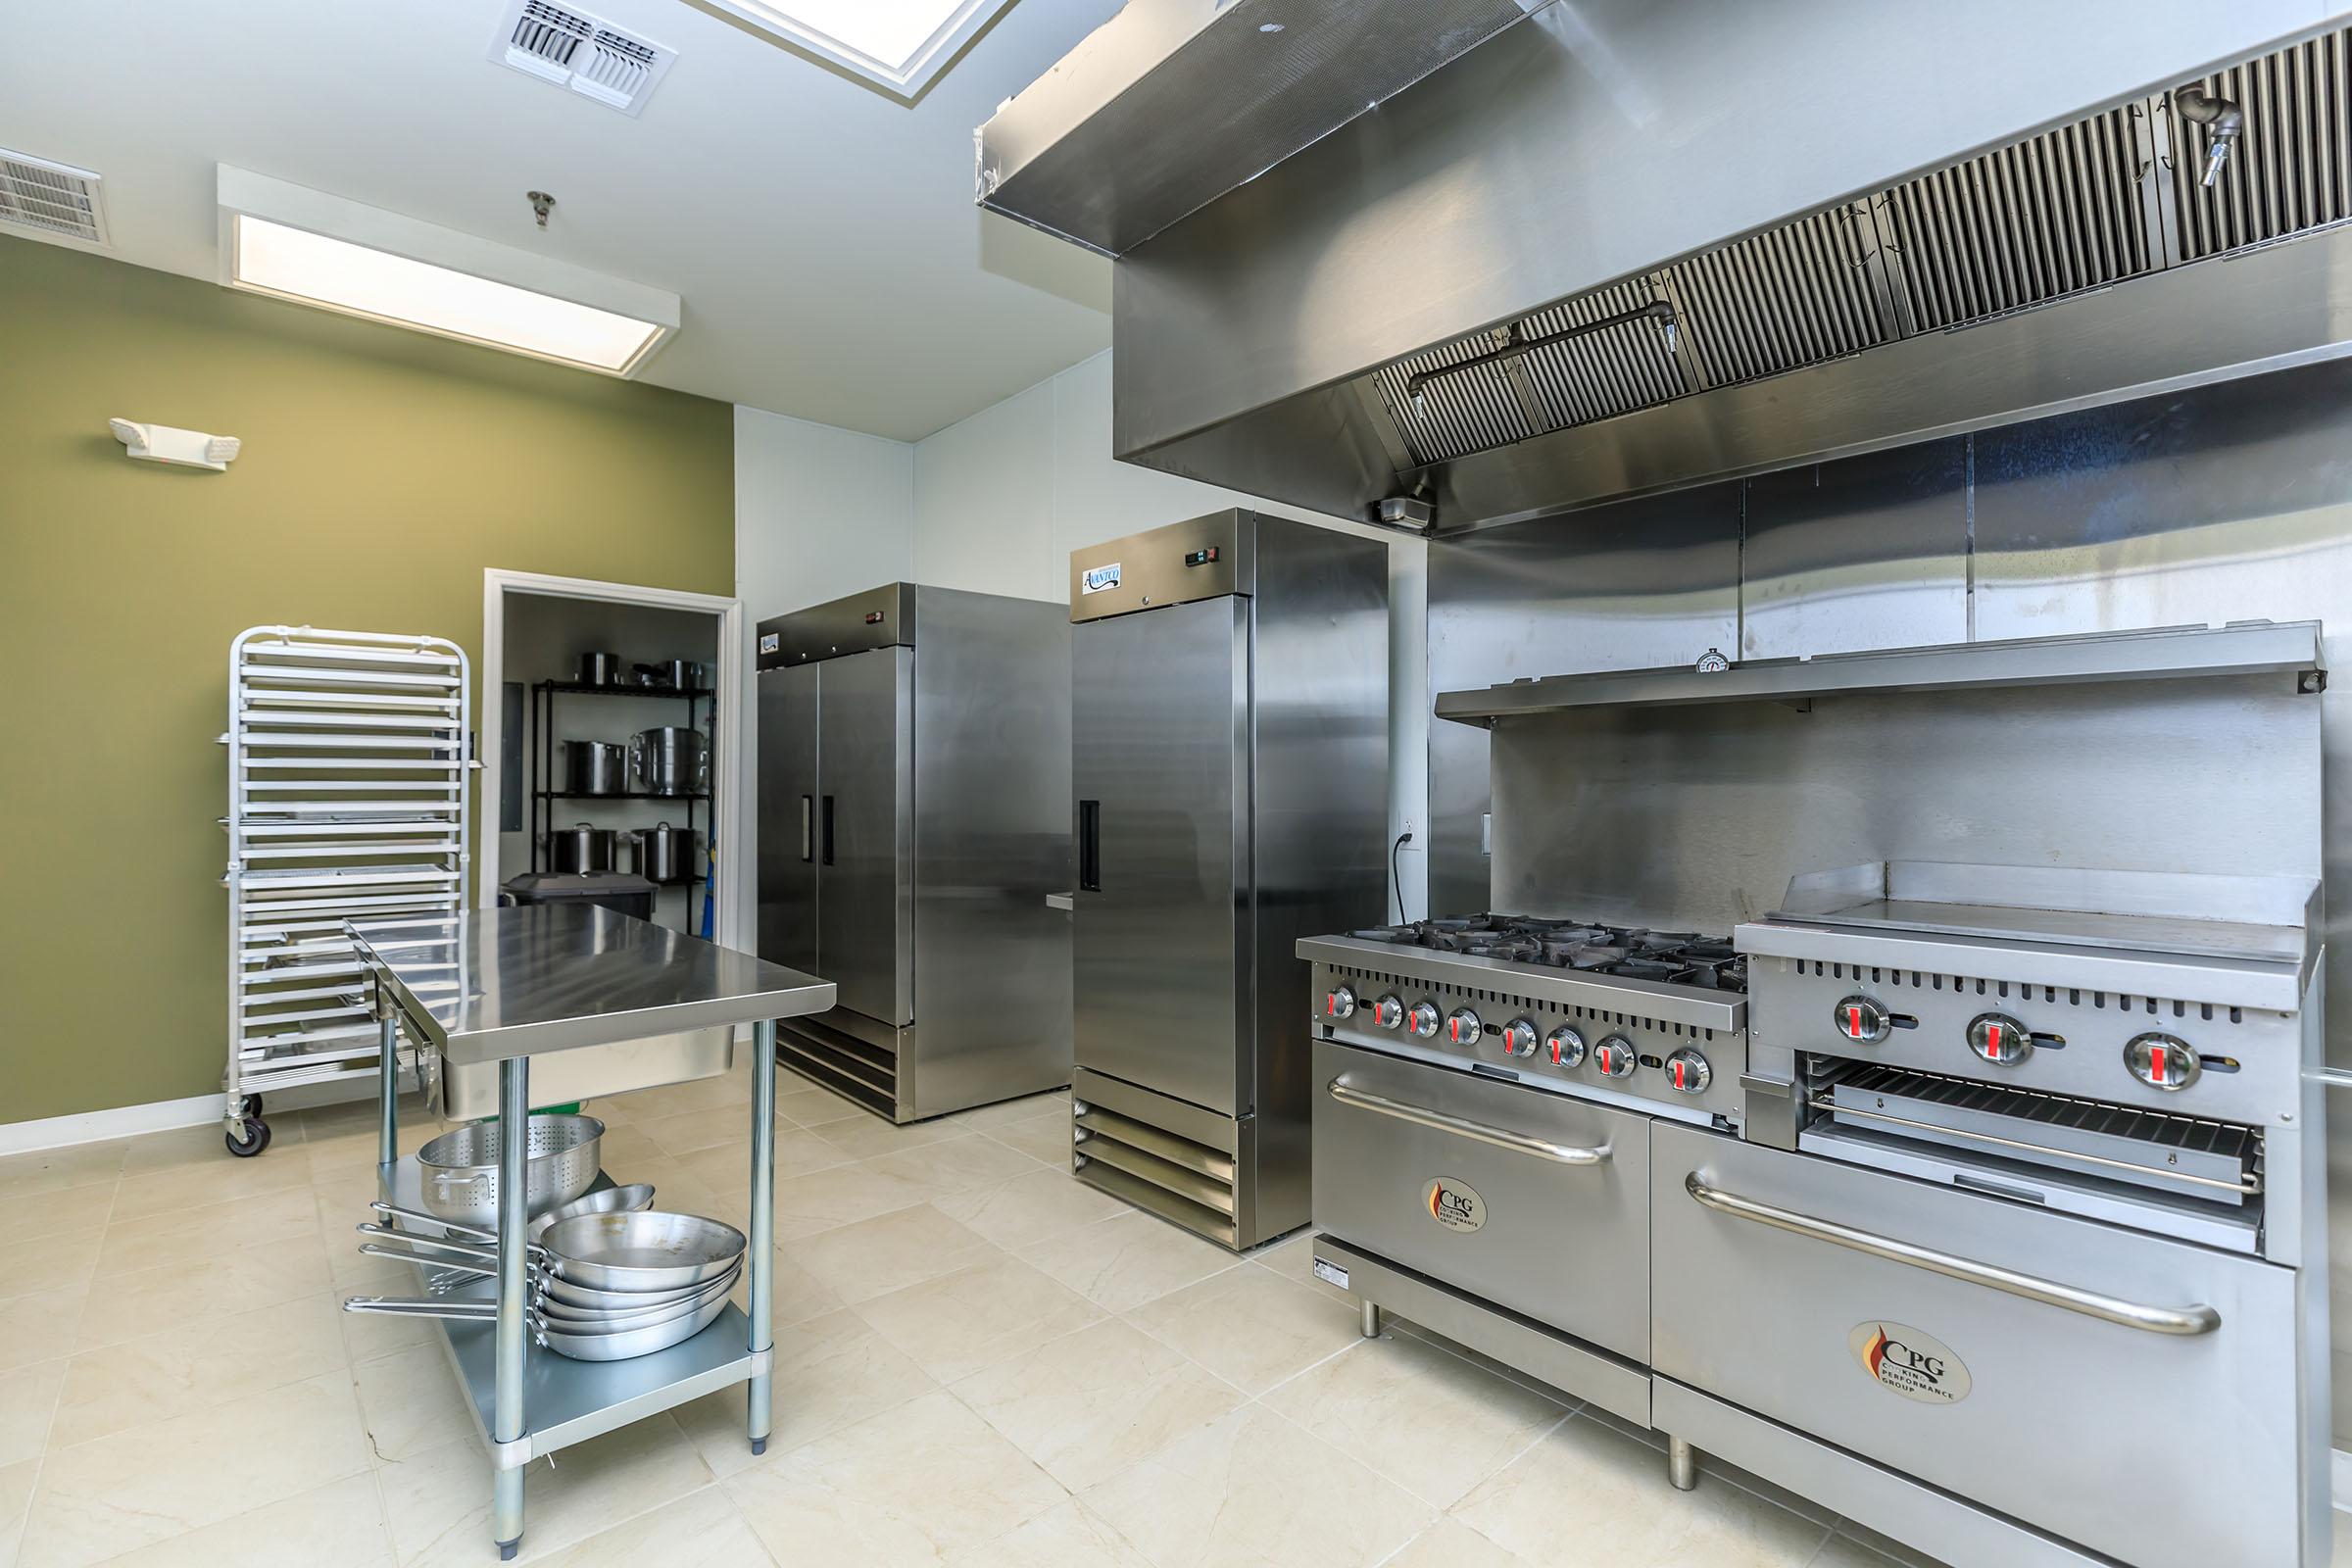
(461, 1167)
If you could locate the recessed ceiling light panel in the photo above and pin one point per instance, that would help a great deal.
(298, 244)
(897, 44)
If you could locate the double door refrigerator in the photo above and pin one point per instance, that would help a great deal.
(914, 843)
(1229, 756)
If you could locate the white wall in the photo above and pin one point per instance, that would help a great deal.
(819, 513)
(995, 504)
(1002, 497)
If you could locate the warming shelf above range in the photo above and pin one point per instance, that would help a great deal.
(2244, 647)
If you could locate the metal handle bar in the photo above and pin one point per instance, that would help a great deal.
(1347, 1094)
(2181, 1320)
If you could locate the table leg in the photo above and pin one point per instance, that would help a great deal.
(514, 1221)
(387, 1090)
(764, 1221)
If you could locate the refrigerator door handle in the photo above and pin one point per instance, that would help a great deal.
(808, 827)
(1090, 845)
(828, 830)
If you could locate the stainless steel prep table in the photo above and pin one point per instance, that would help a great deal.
(536, 980)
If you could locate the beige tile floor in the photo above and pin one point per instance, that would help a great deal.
(980, 1364)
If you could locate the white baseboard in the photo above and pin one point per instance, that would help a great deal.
(128, 1121)
(2340, 1479)
(97, 1126)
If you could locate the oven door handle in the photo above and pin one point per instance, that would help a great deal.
(1347, 1094)
(2181, 1320)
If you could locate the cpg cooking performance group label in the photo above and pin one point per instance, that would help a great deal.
(1909, 1361)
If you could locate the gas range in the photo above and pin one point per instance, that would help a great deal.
(1655, 1020)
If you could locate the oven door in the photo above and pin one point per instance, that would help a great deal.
(2133, 1395)
(1531, 1201)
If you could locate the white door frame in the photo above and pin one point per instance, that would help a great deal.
(726, 804)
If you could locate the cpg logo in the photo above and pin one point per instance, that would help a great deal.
(1454, 1205)
(1909, 1361)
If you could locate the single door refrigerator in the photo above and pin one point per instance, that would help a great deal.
(1229, 759)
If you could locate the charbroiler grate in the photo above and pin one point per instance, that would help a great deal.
(2124, 1143)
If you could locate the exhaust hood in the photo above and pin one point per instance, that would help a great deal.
(1619, 247)
(1172, 103)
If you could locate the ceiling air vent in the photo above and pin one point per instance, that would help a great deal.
(53, 199)
(572, 48)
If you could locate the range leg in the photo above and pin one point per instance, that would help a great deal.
(764, 1222)
(513, 1224)
(1682, 1464)
(1371, 1324)
(387, 1089)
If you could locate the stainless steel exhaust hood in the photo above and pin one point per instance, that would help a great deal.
(1563, 267)
(1172, 103)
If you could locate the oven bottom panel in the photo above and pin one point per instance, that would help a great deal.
(2135, 1395)
(1537, 1203)
(1594, 1376)
(1955, 1531)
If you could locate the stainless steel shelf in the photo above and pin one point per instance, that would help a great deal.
(2248, 648)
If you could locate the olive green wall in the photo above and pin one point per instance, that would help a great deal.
(382, 471)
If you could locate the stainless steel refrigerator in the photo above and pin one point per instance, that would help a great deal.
(914, 843)
(1229, 756)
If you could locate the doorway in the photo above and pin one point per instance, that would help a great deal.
(536, 631)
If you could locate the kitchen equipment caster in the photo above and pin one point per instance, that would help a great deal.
(248, 1138)
(250, 1106)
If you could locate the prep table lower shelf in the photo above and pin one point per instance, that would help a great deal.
(569, 1402)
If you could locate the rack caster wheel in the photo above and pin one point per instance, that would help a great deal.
(250, 1138)
(250, 1105)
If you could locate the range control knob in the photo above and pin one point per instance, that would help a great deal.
(1999, 1039)
(1861, 1018)
(1462, 1026)
(1565, 1047)
(1519, 1038)
(1423, 1019)
(1614, 1056)
(1388, 1011)
(1689, 1072)
(2163, 1062)
(1339, 1003)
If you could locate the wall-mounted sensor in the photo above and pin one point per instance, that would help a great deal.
(187, 449)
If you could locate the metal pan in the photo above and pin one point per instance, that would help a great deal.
(610, 1200)
(645, 1250)
(543, 1316)
(467, 1259)
(620, 1345)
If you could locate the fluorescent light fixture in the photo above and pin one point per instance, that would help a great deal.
(294, 243)
(898, 44)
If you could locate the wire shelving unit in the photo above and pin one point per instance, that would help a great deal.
(350, 762)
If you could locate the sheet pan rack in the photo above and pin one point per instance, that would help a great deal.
(350, 763)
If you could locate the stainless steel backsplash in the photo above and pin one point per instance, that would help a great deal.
(2222, 503)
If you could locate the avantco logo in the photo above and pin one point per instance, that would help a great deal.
(1454, 1205)
(1909, 1361)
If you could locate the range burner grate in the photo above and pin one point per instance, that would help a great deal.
(1669, 958)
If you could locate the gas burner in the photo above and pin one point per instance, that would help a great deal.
(1671, 957)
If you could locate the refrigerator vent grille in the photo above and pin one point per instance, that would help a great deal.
(49, 198)
(2105, 199)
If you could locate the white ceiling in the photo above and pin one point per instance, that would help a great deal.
(821, 234)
